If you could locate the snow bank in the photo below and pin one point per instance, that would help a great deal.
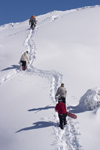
(91, 99)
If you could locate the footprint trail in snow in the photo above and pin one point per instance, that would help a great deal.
(67, 139)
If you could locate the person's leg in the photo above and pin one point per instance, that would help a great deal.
(61, 121)
(65, 115)
(31, 25)
(24, 65)
(34, 24)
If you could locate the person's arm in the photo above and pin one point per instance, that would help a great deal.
(27, 57)
(57, 93)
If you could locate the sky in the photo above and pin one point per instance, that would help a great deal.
(21, 10)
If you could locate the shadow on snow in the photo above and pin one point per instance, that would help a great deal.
(77, 109)
(38, 125)
(42, 108)
(12, 67)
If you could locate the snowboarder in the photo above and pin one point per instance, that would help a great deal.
(24, 58)
(61, 93)
(62, 113)
(32, 22)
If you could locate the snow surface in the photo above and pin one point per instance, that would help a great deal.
(64, 47)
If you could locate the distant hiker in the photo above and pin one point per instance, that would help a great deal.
(24, 58)
(62, 113)
(61, 93)
(32, 22)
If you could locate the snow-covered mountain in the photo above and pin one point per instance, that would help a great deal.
(64, 47)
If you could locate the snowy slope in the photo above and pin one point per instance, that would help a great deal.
(64, 47)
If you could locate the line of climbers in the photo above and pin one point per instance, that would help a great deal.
(61, 106)
(60, 95)
(25, 57)
(61, 91)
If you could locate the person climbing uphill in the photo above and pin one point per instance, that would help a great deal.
(24, 59)
(32, 22)
(62, 113)
(61, 93)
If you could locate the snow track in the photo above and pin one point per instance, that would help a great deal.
(30, 46)
(8, 76)
(69, 137)
(66, 139)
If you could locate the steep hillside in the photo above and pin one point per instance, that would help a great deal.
(64, 47)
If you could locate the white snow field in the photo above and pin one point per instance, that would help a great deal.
(64, 47)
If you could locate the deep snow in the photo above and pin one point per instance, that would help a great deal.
(64, 47)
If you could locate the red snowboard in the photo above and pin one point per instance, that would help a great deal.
(71, 115)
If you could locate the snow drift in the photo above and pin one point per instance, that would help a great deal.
(91, 99)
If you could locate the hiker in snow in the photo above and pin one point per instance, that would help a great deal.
(24, 58)
(62, 113)
(32, 22)
(61, 93)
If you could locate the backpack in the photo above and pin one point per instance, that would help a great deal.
(33, 18)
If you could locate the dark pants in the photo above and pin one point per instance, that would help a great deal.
(62, 120)
(33, 25)
(63, 99)
(23, 65)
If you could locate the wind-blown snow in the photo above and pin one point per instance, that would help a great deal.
(64, 47)
(91, 99)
